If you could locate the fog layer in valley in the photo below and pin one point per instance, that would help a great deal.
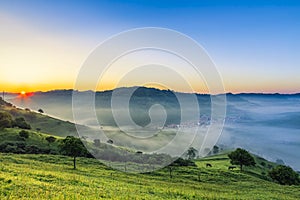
(267, 125)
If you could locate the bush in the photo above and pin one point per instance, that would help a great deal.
(284, 175)
(24, 134)
(21, 123)
(183, 162)
(33, 149)
(50, 139)
(5, 120)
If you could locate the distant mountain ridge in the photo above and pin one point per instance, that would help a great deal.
(153, 90)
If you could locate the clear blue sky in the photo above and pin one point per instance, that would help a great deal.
(255, 44)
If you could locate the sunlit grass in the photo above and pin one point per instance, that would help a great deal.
(52, 177)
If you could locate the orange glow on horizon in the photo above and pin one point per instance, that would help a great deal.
(230, 87)
(25, 95)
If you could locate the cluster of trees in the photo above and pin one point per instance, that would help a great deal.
(21, 146)
(284, 175)
(72, 146)
(7, 121)
(281, 174)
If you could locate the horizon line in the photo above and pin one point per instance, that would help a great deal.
(226, 93)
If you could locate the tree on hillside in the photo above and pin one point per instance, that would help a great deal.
(5, 120)
(284, 175)
(40, 110)
(215, 149)
(72, 146)
(242, 158)
(191, 153)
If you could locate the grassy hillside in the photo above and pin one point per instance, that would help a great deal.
(11, 141)
(222, 162)
(52, 177)
(42, 122)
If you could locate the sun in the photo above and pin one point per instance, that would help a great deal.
(24, 95)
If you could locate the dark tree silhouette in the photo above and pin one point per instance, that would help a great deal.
(110, 141)
(242, 158)
(72, 146)
(191, 153)
(215, 149)
(40, 110)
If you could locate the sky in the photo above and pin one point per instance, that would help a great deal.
(255, 44)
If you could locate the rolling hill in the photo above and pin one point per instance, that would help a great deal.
(43, 122)
(40, 175)
(52, 177)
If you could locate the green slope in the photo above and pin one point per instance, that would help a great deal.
(221, 162)
(10, 141)
(52, 177)
(43, 122)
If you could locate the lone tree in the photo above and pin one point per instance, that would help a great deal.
(191, 153)
(242, 158)
(215, 149)
(72, 146)
(40, 110)
(284, 175)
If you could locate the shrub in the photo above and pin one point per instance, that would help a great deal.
(5, 120)
(24, 134)
(21, 123)
(33, 149)
(50, 139)
(183, 162)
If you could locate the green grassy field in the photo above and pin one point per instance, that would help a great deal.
(52, 177)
